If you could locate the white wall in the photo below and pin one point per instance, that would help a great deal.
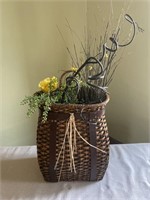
(32, 49)
(128, 109)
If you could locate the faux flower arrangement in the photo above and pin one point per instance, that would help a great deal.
(85, 83)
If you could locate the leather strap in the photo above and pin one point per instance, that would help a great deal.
(88, 117)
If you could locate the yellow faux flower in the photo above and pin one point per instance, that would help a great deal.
(53, 84)
(74, 69)
(44, 84)
(106, 55)
(90, 67)
(49, 84)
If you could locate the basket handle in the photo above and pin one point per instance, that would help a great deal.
(62, 76)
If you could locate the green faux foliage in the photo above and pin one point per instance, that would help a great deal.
(41, 100)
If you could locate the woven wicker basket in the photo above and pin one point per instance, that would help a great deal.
(90, 164)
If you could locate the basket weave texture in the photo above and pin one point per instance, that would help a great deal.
(90, 163)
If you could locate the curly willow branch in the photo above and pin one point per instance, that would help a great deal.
(102, 71)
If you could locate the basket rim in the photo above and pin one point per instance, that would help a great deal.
(83, 105)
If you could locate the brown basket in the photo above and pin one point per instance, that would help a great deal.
(90, 163)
